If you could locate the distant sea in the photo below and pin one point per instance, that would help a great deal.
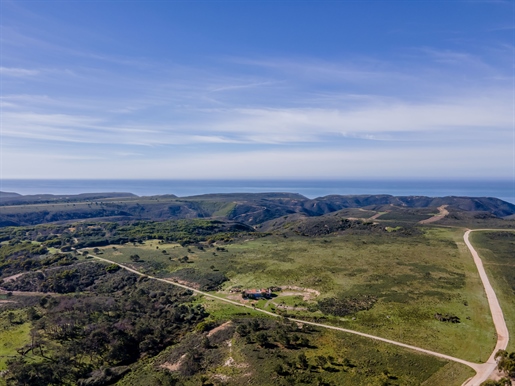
(503, 189)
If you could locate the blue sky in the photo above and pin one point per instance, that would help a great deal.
(257, 89)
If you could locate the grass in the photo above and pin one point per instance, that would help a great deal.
(451, 374)
(413, 278)
(152, 258)
(354, 361)
(224, 311)
(12, 336)
(496, 249)
(291, 301)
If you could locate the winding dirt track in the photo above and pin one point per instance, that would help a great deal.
(442, 212)
(483, 370)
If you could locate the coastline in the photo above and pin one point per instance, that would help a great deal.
(502, 189)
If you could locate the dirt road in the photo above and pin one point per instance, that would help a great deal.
(442, 212)
(503, 335)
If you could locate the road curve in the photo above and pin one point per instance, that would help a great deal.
(501, 329)
(478, 367)
(442, 212)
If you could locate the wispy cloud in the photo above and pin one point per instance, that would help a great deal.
(373, 119)
(17, 72)
(255, 117)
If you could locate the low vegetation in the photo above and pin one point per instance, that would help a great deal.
(496, 251)
(73, 337)
(68, 319)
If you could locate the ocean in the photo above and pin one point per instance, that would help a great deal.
(503, 189)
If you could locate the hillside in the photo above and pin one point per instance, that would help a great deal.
(251, 209)
(8, 198)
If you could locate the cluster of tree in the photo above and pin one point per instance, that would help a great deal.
(89, 235)
(506, 362)
(17, 248)
(447, 318)
(500, 382)
(342, 305)
(75, 278)
(135, 258)
(26, 256)
(506, 365)
(76, 337)
(184, 232)
(206, 281)
(201, 351)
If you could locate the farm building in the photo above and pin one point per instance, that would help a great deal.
(256, 293)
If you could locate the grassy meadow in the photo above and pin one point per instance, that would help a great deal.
(14, 333)
(497, 250)
(411, 277)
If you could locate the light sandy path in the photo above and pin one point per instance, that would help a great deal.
(13, 277)
(442, 212)
(476, 366)
(503, 335)
(376, 216)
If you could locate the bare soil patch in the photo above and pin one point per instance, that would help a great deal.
(307, 293)
(184, 282)
(173, 366)
(219, 328)
(13, 277)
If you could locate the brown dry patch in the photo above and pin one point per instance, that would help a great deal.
(306, 293)
(13, 277)
(375, 216)
(173, 366)
(230, 362)
(237, 297)
(184, 282)
(221, 377)
(219, 328)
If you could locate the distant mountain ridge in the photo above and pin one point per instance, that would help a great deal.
(11, 198)
(4, 195)
(248, 208)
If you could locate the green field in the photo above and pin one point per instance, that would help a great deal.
(412, 277)
(12, 335)
(497, 250)
(386, 275)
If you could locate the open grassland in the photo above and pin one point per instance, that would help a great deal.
(411, 277)
(219, 311)
(14, 333)
(497, 250)
(327, 358)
